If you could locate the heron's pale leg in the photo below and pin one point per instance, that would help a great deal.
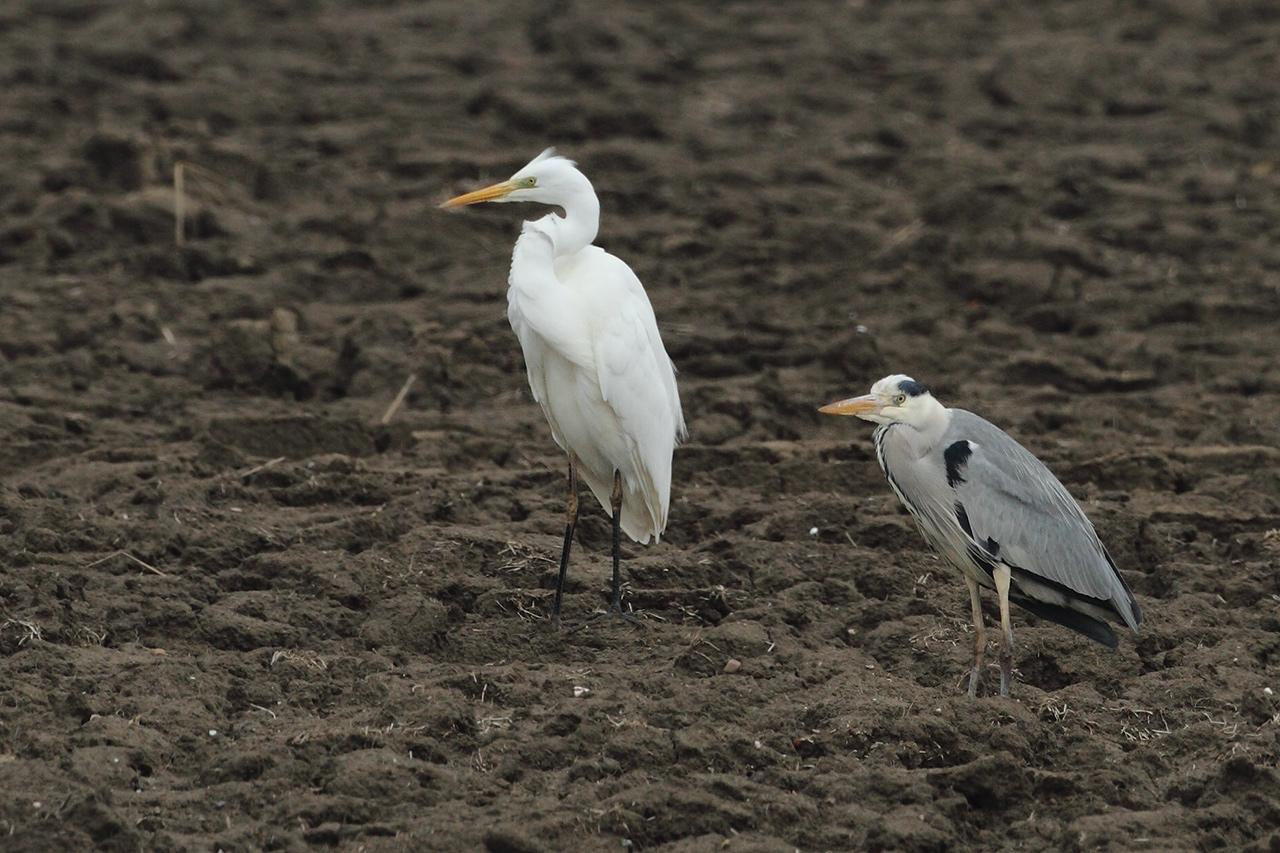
(616, 504)
(979, 636)
(571, 521)
(1001, 577)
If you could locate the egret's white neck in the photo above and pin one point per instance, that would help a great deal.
(577, 229)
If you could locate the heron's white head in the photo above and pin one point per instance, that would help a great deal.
(546, 179)
(894, 399)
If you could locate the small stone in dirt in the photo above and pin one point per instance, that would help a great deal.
(732, 665)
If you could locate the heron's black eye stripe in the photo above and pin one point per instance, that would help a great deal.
(956, 455)
(912, 388)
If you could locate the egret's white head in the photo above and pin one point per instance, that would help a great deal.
(894, 399)
(546, 179)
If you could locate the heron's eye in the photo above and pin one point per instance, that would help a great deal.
(900, 399)
(530, 182)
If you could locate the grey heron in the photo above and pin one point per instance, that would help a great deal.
(997, 514)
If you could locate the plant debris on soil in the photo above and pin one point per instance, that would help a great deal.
(263, 590)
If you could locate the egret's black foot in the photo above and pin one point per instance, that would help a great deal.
(554, 618)
(615, 611)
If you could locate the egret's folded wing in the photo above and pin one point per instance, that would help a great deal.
(637, 379)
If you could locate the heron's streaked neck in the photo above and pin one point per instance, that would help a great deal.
(577, 229)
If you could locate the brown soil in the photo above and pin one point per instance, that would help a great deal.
(237, 612)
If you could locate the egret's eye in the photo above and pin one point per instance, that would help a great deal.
(529, 182)
(900, 399)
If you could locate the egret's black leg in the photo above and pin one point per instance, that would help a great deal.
(979, 637)
(615, 603)
(571, 521)
(1002, 576)
(616, 504)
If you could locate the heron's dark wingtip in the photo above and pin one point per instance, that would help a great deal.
(1134, 617)
(1137, 613)
(1094, 629)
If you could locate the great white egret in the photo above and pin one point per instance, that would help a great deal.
(997, 514)
(595, 360)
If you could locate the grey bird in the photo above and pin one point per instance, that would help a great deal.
(997, 514)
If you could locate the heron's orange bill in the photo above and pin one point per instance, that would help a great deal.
(852, 406)
(501, 190)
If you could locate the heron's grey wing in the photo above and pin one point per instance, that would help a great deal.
(1016, 511)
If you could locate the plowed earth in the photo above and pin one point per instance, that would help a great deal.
(239, 612)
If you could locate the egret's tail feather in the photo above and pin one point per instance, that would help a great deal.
(638, 518)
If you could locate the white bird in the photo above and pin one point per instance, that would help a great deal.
(595, 360)
(997, 514)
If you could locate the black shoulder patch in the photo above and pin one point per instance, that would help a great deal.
(956, 455)
(981, 560)
(982, 556)
(912, 388)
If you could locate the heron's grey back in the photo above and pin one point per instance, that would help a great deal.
(1014, 503)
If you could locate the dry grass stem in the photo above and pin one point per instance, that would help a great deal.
(143, 563)
(192, 182)
(249, 472)
(179, 203)
(399, 400)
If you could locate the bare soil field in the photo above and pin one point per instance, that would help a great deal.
(240, 612)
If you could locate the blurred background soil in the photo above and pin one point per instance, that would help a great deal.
(239, 612)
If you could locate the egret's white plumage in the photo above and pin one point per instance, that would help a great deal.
(595, 361)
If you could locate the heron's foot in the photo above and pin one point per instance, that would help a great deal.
(975, 680)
